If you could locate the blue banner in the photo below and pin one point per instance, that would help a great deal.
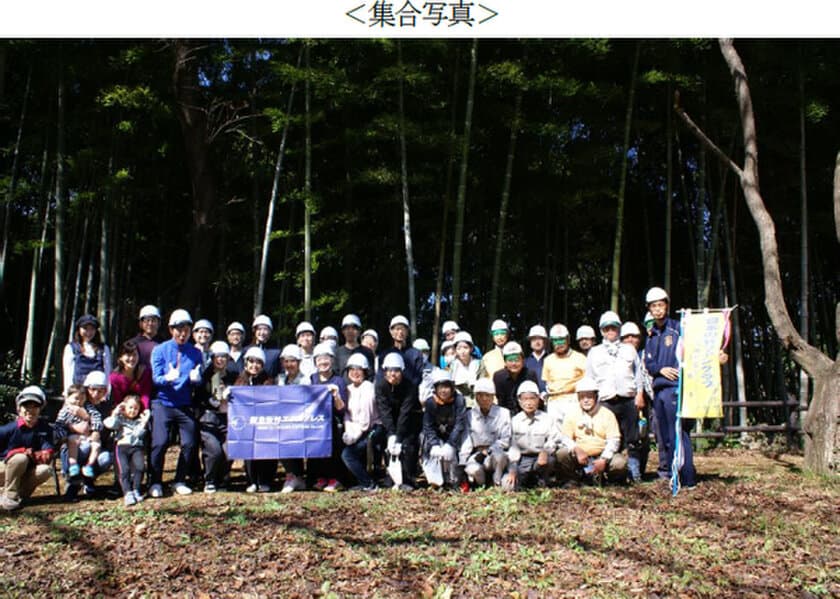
(270, 422)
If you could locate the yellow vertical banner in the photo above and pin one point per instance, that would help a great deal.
(701, 389)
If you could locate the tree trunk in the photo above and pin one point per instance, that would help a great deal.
(458, 243)
(80, 267)
(307, 189)
(272, 202)
(804, 272)
(102, 297)
(503, 208)
(409, 252)
(822, 437)
(447, 200)
(60, 212)
(10, 194)
(700, 215)
(669, 188)
(194, 129)
(622, 186)
(28, 363)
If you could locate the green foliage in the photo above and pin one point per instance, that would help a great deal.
(816, 112)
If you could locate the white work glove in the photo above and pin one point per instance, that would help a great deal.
(195, 374)
(436, 452)
(352, 433)
(172, 375)
(392, 440)
(226, 394)
(347, 438)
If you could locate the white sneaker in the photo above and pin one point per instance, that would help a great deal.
(156, 491)
(209, 488)
(139, 496)
(251, 488)
(181, 489)
(293, 483)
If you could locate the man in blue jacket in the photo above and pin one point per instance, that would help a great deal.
(662, 365)
(176, 368)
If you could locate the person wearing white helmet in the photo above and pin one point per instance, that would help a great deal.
(176, 369)
(212, 397)
(586, 339)
(493, 361)
(402, 417)
(85, 353)
(509, 378)
(487, 437)
(590, 441)
(534, 439)
(262, 328)
(235, 335)
(632, 335)
(329, 472)
(370, 340)
(537, 339)
(291, 358)
(413, 359)
(305, 338)
(202, 334)
(464, 367)
(443, 430)
(363, 434)
(329, 335)
(261, 473)
(616, 368)
(26, 449)
(148, 337)
(351, 330)
(447, 353)
(660, 356)
(561, 372)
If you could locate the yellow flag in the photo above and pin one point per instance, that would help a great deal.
(701, 390)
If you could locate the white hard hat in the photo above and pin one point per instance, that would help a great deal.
(256, 353)
(304, 327)
(421, 345)
(449, 325)
(440, 375)
(235, 326)
(328, 332)
(629, 328)
(371, 333)
(609, 318)
(446, 345)
(558, 330)
(527, 387)
(179, 317)
(351, 320)
(484, 385)
(462, 337)
(203, 323)
(586, 384)
(323, 349)
(511, 348)
(358, 360)
(499, 325)
(264, 320)
(149, 311)
(398, 319)
(537, 330)
(585, 332)
(32, 393)
(95, 378)
(219, 348)
(292, 352)
(393, 360)
(648, 319)
(655, 294)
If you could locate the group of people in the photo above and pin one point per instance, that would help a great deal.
(554, 415)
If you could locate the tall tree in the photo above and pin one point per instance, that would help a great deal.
(804, 272)
(307, 195)
(60, 215)
(458, 243)
(821, 420)
(406, 206)
(622, 186)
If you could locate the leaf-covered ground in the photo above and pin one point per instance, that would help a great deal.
(755, 527)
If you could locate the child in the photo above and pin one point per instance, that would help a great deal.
(69, 417)
(129, 420)
(26, 449)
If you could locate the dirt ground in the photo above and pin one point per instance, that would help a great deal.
(755, 526)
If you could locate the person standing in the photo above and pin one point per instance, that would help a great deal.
(85, 353)
(537, 339)
(493, 361)
(176, 369)
(262, 328)
(561, 372)
(148, 337)
(585, 338)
